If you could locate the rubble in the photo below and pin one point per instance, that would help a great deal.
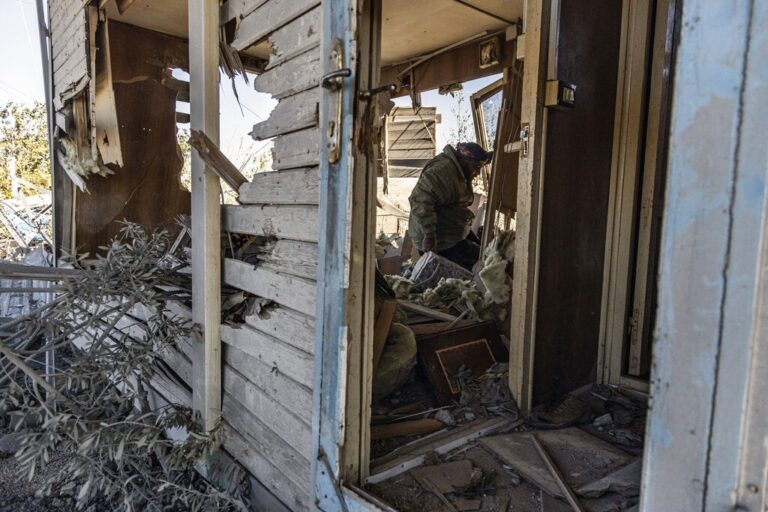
(438, 415)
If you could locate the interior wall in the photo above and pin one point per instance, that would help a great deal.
(146, 189)
(576, 178)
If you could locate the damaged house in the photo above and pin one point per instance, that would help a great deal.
(623, 222)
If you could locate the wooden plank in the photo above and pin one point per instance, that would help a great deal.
(620, 242)
(288, 426)
(69, 37)
(290, 186)
(528, 211)
(284, 358)
(298, 149)
(294, 292)
(292, 396)
(171, 391)
(256, 463)
(285, 458)
(206, 211)
(291, 114)
(298, 36)
(405, 428)
(216, 160)
(457, 65)
(714, 215)
(411, 153)
(423, 310)
(292, 257)
(281, 221)
(71, 72)
(420, 117)
(405, 144)
(400, 462)
(287, 325)
(381, 329)
(267, 18)
(291, 77)
(107, 123)
(414, 131)
(66, 15)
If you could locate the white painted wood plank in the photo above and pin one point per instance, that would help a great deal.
(171, 391)
(298, 149)
(295, 292)
(264, 471)
(287, 222)
(291, 257)
(267, 18)
(291, 114)
(239, 8)
(291, 77)
(288, 427)
(287, 325)
(296, 37)
(63, 18)
(206, 210)
(291, 395)
(701, 343)
(71, 72)
(291, 186)
(74, 33)
(284, 358)
(292, 463)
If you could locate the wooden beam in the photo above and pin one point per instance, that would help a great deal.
(216, 160)
(457, 65)
(206, 212)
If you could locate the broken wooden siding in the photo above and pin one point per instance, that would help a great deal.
(268, 361)
(147, 188)
(69, 26)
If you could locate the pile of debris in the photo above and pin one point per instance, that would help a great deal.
(440, 343)
(446, 431)
(567, 456)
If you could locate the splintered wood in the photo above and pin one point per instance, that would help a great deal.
(220, 164)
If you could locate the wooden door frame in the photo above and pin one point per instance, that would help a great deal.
(536, 32)
(642, 119)
(628, 140)
(343, 360)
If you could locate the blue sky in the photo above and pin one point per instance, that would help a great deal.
(21, 80)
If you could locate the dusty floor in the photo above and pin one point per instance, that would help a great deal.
(589, 451)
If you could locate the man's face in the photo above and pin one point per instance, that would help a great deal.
(472, 167)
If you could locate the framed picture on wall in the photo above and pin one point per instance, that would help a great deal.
(490, 52)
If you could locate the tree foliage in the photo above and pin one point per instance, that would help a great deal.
(111, 327)
(24, 143)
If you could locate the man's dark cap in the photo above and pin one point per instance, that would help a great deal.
(473, 151)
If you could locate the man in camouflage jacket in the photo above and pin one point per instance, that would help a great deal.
(440, 217)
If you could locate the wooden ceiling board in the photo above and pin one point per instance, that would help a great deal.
(412, 28)
(168, 17)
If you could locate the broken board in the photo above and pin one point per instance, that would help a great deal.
(583, 459)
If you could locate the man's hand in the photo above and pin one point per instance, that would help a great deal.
(429, 243)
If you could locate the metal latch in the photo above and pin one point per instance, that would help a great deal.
(364, 95)
(333, 81)
(525, 133)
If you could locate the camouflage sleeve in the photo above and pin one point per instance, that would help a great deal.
(428, 193)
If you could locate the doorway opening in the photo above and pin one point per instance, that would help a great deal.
(484, 374)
